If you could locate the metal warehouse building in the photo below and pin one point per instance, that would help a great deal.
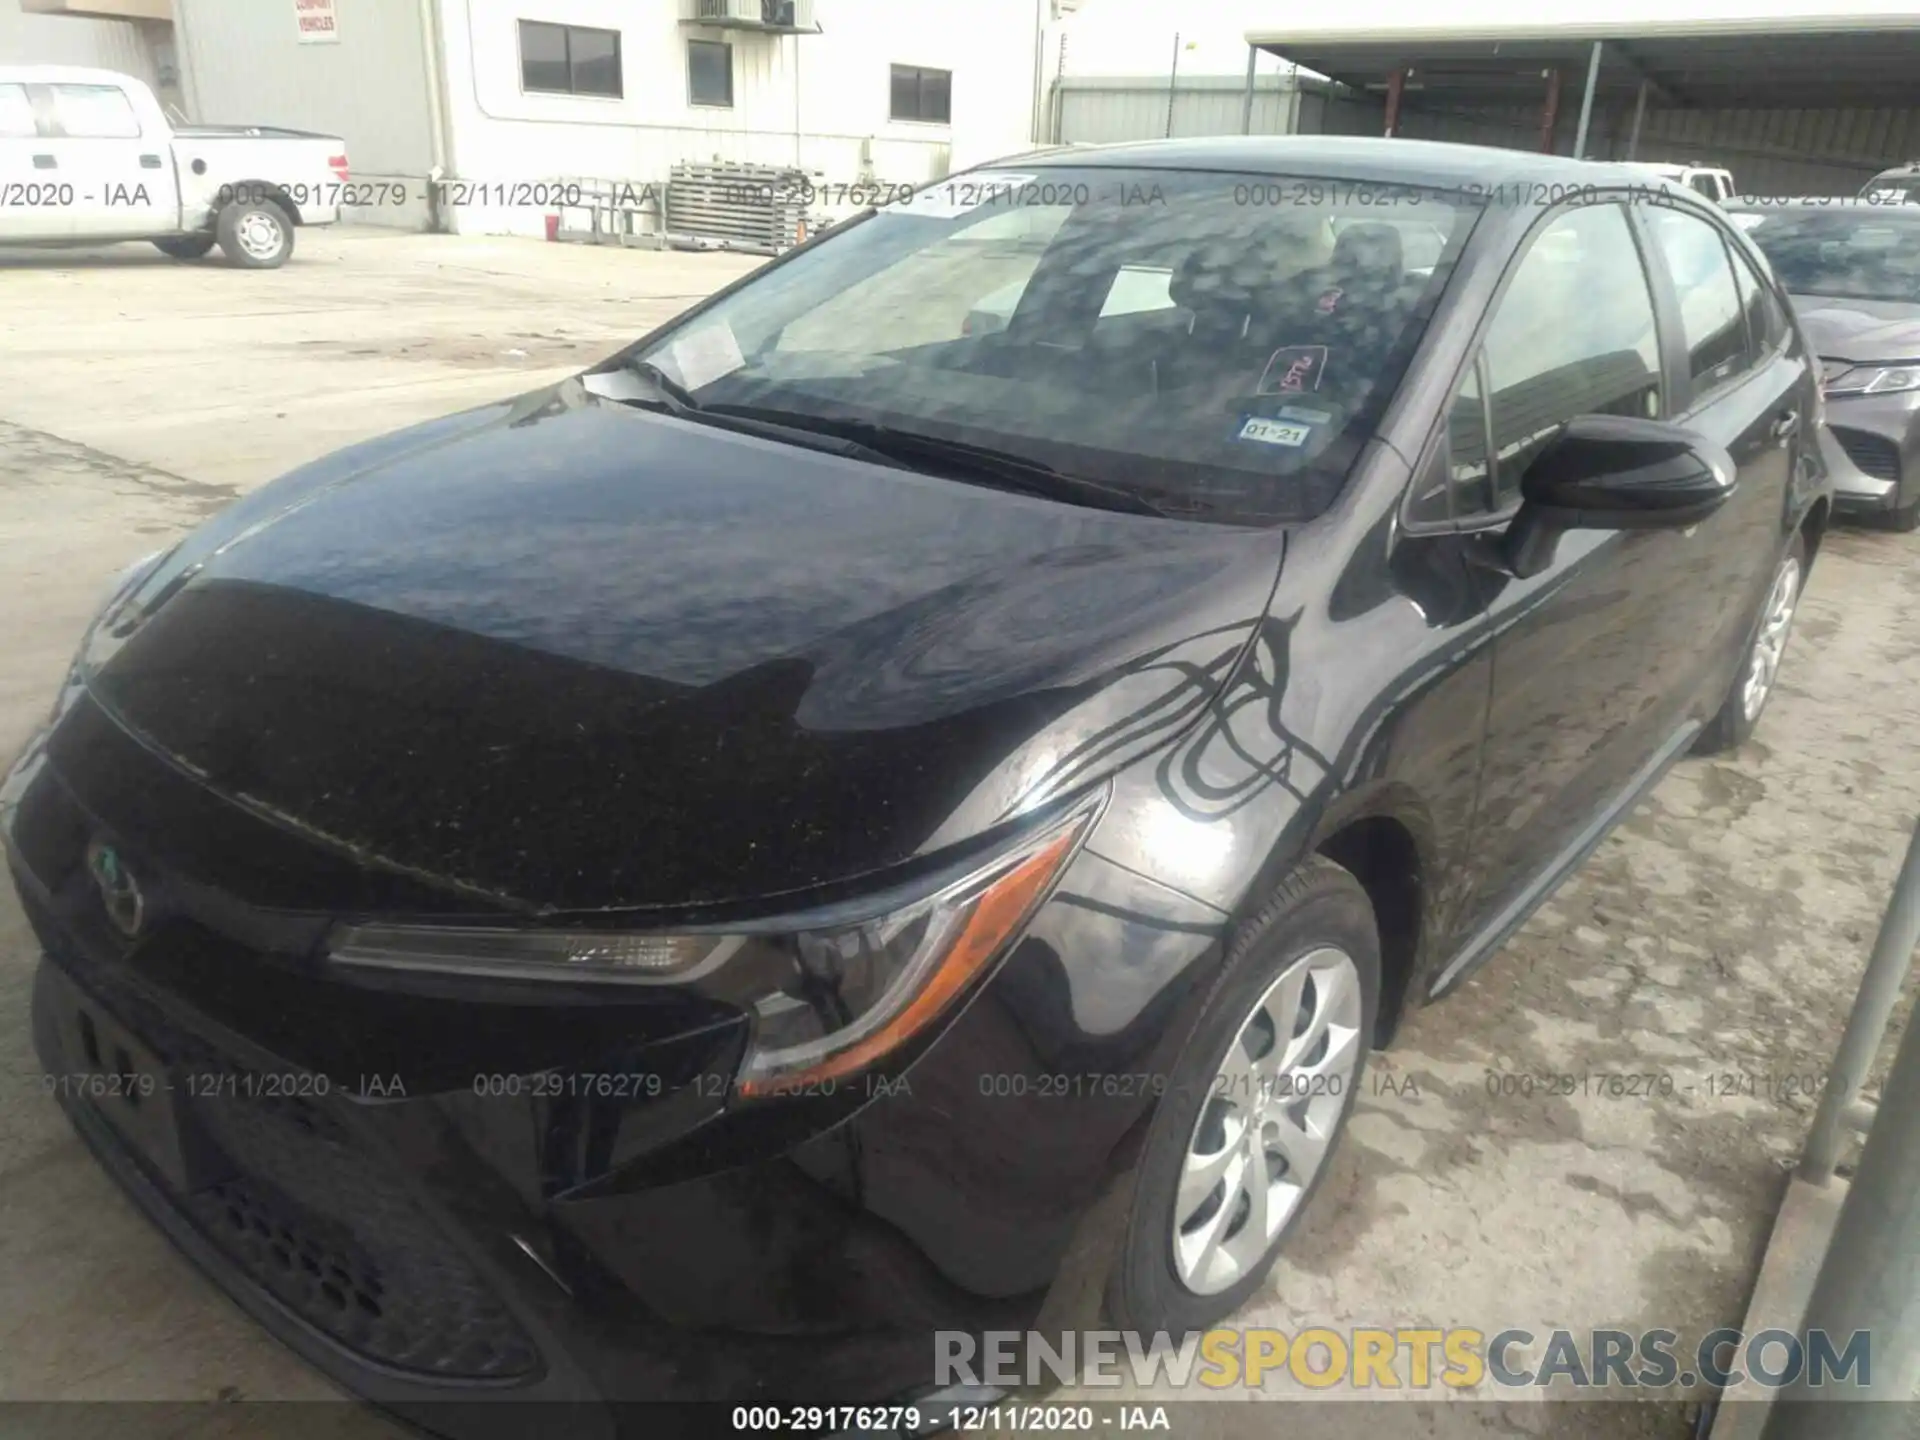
(1792, 98)
(493, 92)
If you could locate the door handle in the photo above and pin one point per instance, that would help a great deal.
(149, 162)
(1786, 424)
(45, 162)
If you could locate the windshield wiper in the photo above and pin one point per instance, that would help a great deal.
(679, 401)
(959, 460)
(678, 398)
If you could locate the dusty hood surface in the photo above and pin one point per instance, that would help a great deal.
(577, 656)
(1860, 330)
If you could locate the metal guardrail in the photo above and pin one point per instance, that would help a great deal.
(1869, 1279)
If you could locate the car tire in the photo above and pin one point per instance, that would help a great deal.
(1737, 716)
(1906, 519)
(1317, 923)
(184, 247)
(256, 235)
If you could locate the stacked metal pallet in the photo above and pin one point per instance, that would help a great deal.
(758, 208)
(613, 212)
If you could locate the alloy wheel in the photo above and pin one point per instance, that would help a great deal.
(1268, 1119)
(1770, 644)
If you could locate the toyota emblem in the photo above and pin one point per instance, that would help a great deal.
(119, 892)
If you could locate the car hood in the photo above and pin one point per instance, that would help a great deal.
(572, 656)
(1860, 330)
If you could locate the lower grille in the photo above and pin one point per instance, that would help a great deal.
(330, 1235)
(1873, 455)
(320, 1224)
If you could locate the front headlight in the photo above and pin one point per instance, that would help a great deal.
(826, 999)
(1876, 380)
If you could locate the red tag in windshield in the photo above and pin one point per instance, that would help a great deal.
(1293, 369)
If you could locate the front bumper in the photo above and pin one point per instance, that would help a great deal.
(1870, 449)
(614, 1264)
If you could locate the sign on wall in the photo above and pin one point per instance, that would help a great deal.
(317, 23)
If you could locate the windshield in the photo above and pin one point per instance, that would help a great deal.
(1218, 345)
(1850, 253)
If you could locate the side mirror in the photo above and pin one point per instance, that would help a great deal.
(1615, 472)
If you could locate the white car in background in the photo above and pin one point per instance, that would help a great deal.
(1716, 185)
(88, 157)
(1898, 186)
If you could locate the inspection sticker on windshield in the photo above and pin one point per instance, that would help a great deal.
(705, 355)
(1274, 432)
(948, 199)
(1304, 415)
(1293, 368)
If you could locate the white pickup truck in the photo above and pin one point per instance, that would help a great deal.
(88, 157)
(1715, 184)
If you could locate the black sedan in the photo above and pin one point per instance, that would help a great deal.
(839, 825)
(1853, 271)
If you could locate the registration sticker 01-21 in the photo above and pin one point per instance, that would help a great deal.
(1273, 432)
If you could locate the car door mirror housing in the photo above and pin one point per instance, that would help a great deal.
(1616, 472)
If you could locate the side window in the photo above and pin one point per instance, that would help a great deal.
(1710, 311)
(1766, 321)
(1573, 335)
(1454, 484)
(16, 113)
(94, 112)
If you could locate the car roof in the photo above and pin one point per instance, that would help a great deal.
(60, 75)
(1351, 157)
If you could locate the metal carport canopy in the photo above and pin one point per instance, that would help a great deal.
(1750, 54)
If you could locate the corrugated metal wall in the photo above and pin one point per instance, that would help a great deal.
(67, 40)
(1097, 111)
(1771, 152)
(245, 65)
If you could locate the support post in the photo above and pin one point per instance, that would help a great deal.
(1870, 1279)
(1059, 92)
(1586, 104)
(1867, 1024)
(1550, 111)
(1639, 114)
(1039, 69)
(1396, 83)
(1173, 83)
(1246, 100)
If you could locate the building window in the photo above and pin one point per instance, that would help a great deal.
(569, 60)
(921, 94)
(709, 73)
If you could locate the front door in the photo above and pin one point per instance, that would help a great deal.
(33, 200)
(1592, 662)
(122, 177)
(1743, 392)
